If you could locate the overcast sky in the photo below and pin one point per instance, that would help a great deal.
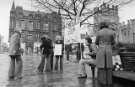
(125, 13)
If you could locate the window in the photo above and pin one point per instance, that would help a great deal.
(23, 24)
(124, 33)
(37, 25)
(18, 24)
(45, 27)
(55, 27)
(12, 24)
(134, 37)
(30, 25)
(30, 37)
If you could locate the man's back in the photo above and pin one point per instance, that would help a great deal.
(105, 36)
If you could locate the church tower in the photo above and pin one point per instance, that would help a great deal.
(12, 20)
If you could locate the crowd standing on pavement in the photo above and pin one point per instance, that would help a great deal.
(98, 53)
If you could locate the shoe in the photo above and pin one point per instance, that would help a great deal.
(11, 78)
(82, 76)
(39, 72)
(47, 70)
(19, 77)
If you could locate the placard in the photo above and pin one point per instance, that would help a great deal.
(58, 49)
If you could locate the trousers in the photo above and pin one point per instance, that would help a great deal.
(16, 65)
(45, 63)
(82, 64)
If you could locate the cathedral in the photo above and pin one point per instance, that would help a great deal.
(33, 25)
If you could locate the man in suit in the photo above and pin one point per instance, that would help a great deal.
(105, 39)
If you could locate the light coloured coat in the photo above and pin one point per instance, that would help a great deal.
(14, 48)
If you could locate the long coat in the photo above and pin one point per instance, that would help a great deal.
(105, 39)
(14, 48)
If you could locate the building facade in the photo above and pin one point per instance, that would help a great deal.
(127, 31)
(106, 13)
(33, 25)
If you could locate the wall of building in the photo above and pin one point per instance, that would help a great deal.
(127, 31)
(106, 13)
(34, 24)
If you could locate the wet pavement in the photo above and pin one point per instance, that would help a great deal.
(53, 79)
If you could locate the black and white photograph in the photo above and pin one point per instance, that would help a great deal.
(67, 43)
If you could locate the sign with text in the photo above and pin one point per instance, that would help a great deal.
(58, 49)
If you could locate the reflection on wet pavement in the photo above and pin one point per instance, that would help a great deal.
(53, 79)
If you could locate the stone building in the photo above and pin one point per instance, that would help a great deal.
(33, 25)
(106, 13)
(127, 31)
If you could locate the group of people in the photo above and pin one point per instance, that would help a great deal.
(99, 53)
(47, 54)
(46, 51)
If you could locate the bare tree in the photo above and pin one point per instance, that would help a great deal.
(76, 10)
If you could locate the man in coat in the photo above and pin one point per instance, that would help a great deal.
(105, 39)
(15, 69)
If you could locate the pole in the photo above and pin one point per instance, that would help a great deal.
(81, 50)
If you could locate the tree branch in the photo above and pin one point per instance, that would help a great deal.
(63, 8)
(83, 7)
(41, 3)
(74, 6)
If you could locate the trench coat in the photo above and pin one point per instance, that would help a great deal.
(14, 48)
(105, 39)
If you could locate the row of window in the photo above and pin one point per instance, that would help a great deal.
(31, 37)
(30, 25)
